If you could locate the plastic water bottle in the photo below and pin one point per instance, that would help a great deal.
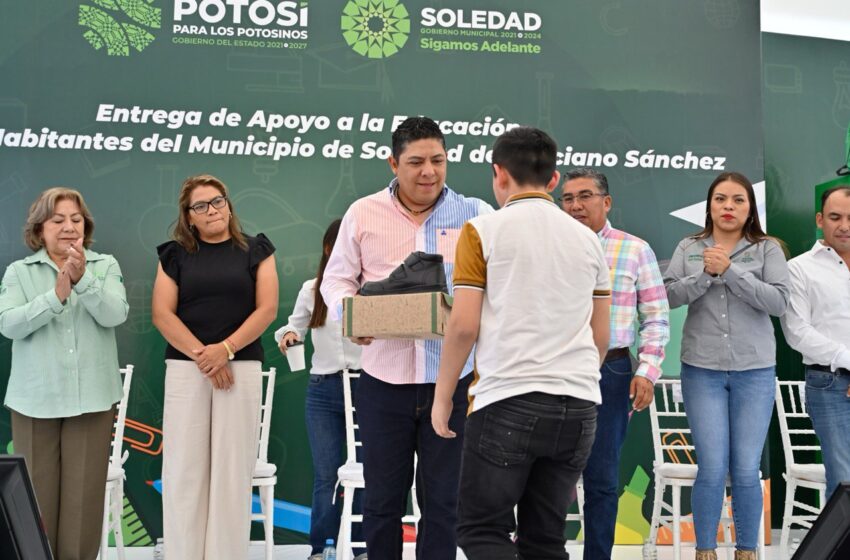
(329, 553)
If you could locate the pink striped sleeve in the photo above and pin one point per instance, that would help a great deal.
(653, 315)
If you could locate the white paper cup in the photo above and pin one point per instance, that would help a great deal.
(295, 356)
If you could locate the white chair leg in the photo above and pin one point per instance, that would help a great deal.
(677, 524)
(655, 522)
(267, 505)
(727, 537)
(580, 500)
(117, 507)
(790, 491)
(727, 526)
(343, 548)
(104, 531)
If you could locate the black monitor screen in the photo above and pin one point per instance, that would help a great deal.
(21, 532)
(829, 537)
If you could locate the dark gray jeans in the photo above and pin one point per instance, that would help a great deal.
(527, 451)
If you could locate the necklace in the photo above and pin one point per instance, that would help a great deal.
(415, 212)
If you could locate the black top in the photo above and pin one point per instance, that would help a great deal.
(217, 289)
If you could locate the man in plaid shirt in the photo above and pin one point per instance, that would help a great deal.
(637, 293)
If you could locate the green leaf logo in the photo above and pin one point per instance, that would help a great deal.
(103, 30)
(375, 28)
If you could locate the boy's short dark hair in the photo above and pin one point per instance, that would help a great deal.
(828, 192)
(528, 154)
(413, 129)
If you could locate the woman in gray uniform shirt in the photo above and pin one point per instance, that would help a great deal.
(733, 277)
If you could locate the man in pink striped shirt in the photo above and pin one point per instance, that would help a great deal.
(416, 212)
(637, 295)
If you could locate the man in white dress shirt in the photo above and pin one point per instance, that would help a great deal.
(817, 324)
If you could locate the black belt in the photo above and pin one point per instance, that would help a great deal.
(827, 369)
(338, 373)
(616, 354)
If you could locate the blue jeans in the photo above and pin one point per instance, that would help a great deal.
(729, 414)
(525, 452)
(829, 407)
(395, 423)
(602, 473)
(325, 419)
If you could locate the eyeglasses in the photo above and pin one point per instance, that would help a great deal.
(582, 197)
(203, 207)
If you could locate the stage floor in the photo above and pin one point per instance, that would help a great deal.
(300, 552)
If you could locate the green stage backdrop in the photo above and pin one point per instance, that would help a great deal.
(292, 104)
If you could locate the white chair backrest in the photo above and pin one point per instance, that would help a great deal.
(266, 415)
(351, 428)
(671, 439)
(795, 426)
(115, 457)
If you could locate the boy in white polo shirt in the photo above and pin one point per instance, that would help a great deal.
(532, 294)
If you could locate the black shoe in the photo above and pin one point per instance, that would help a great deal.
(420, 272)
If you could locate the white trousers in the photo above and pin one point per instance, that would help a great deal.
(209, 454)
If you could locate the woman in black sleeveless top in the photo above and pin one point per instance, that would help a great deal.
(216, 291)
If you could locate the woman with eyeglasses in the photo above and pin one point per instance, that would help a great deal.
(732, 277)
(216, 291)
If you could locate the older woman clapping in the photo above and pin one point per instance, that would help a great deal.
(60, 307)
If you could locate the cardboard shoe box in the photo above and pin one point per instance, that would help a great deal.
(422, 315)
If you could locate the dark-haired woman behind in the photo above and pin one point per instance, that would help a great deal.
(214, 295)
(325, 409)
(733, 277)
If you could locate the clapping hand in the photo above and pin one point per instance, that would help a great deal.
(75, 264)
(63, 285)
(715, 260)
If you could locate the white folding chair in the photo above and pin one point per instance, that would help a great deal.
(350, 477)
(264, 472)
(675, 466)
(113, 500)
(798, 443)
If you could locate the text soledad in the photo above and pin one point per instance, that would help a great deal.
(480, 19)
